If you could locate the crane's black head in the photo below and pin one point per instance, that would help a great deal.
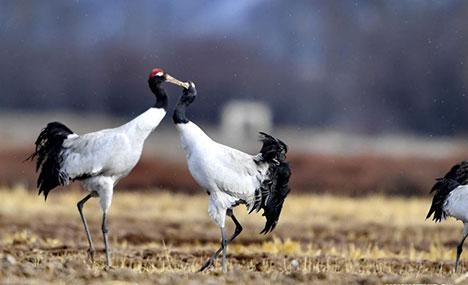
(158, 76)
(188, 96)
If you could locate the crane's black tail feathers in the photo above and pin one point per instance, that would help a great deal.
(443, 187)
(273, 150)
(48, 151)
(275, 188)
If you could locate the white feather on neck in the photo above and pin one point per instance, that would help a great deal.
(145, 123)
(191, 135)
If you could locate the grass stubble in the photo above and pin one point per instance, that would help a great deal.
(162, 237)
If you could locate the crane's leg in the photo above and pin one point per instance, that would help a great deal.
(460, 246)
(106, 242)
(224, 246)
(80, 209)
(237, 231)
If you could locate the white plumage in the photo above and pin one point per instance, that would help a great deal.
(99, 159)
(456, 203)
(108, 155)
(228, 175)
(231, 177)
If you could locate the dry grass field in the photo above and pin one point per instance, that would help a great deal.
(164, 238)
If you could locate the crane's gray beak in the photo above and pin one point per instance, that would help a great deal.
(172, 80)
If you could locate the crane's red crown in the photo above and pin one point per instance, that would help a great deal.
(155, 71)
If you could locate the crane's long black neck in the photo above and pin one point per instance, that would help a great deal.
(178, 116)
(159, 92)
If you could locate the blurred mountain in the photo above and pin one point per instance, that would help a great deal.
(356, 66)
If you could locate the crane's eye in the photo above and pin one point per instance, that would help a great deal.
(159, 73)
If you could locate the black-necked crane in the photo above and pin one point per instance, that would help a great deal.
(231, 177)
(451, 200)
(99, 159)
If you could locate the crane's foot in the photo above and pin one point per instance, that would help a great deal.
(108, 268)
(208, 263)
(91, 255)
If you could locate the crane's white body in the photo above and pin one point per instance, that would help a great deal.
(106, 156)
(456, 203)
(229, 176)
(98, 159)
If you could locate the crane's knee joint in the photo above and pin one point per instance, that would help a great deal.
(459, 249)
(80, 205)
(104, 229)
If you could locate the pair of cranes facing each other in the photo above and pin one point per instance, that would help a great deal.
(100, 159)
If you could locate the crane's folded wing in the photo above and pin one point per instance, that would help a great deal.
(94, 153)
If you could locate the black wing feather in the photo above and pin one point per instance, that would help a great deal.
(443, 187)
(48, 150)
(459, 173)
(456, 176)
(274, 190)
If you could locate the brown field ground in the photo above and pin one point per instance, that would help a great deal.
(164, 238)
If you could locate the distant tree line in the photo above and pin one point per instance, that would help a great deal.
(360, 66)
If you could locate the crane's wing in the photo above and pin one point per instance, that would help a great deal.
(265, 178)
(94, 153)
(238, 175)
(459, 173)
(63, 155)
